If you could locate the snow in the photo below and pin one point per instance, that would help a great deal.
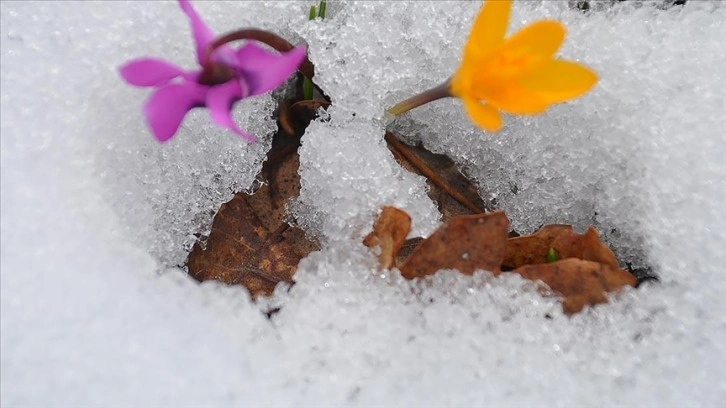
(96, 216)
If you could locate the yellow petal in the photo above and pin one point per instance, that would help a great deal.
(528, 49)
(485, 116)
(488, 29)
(559, 80)
(516, 99)
(540, 37)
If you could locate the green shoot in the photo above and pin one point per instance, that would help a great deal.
(311, 15)
(551, 255)
(307, 88)
(321, 9)
(314, 13)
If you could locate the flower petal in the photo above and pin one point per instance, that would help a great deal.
(149, 72)
(515, 99)
(541, 37)
(527, 50)
(168, 105)
(559, 80)
(203, 35)
(265, 70)
(488, 29)
(484, 115)
(220, 100)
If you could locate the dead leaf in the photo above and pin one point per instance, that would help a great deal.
(579, 281)
(466, 243)
(587, 246)
(575, 303)
(585, 271)
(532, 249)
(389, 234)
(250, 243)
(407, 249)
(240, 250)
(453, 192)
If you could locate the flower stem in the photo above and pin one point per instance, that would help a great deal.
(438, 92)
(271, 39)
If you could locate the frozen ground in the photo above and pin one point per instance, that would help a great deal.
(95, 216)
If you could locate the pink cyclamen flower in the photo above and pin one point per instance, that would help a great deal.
(225, 77)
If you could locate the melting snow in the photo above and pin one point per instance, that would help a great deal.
(96, 215)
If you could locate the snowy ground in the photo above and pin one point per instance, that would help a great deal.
(96, 214)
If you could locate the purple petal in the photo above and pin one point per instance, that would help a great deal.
(265, 70)
(203, 35)
(220, 100)
(168, 105)
(149, 72)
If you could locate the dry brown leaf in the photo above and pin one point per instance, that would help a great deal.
(587, 246)
(240, 250)
(575, 303)
(532, 249)
(407, 249)
(250, 243)
(466, 243)
(580, 282)
(453, 192)
(389, 234)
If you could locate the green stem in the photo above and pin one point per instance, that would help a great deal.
(438, 92)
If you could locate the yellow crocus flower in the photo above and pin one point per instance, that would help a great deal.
(518, 75)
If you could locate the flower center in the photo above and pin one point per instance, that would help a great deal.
(215, 74)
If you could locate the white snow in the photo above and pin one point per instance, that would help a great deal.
(96, 216)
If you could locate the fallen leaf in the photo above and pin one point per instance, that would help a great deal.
(250, 242)
(389, 234)
(240, 250)
(580, 282)
(533, 249)
(466, 243)
(575, 303)
(453, 192)
(407, 249)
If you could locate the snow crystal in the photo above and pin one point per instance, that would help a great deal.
(348, 174)
(96, 215)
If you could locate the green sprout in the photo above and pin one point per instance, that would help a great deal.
(322, 8)
(551, 255)
(307, 88)
(314, 13)
(319, 12)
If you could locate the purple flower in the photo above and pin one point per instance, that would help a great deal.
(225, 77)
